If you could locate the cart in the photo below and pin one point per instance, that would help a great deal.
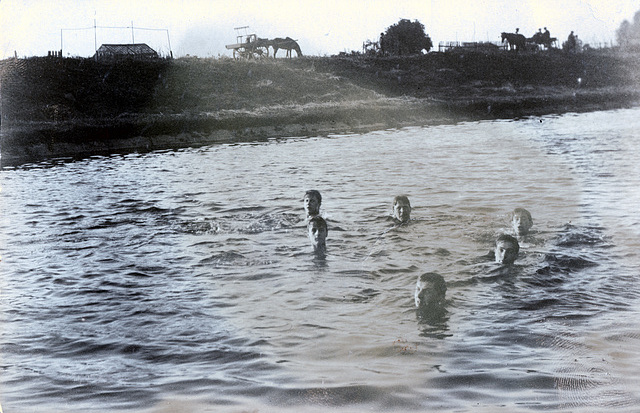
(248, 46)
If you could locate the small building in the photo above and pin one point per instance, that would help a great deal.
(119, 51)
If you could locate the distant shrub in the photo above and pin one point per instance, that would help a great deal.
(405, 38)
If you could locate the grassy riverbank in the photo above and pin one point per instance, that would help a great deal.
(74, 107)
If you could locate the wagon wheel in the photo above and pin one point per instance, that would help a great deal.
(260, 52)
(241, 53)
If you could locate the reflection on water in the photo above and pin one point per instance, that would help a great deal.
(186, 278)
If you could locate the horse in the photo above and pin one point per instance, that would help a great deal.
(288, 44)
(516, 41)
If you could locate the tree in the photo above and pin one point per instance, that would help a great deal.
(628, 34)
(405, 38)
(623, 33)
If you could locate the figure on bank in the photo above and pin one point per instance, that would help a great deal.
(312, 202)
(571, 42)
(506, 249)
(401, 209)
(317, 231)
(521, 221)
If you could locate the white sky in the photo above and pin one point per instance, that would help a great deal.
(203, 28)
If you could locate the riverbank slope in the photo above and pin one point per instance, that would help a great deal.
(53, 107)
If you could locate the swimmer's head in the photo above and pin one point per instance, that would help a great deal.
(430, 290)
(317, 231)
(401, 208)
(312, 201)
(521, 221)
(506, 250)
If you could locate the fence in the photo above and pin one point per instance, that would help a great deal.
(477, 46)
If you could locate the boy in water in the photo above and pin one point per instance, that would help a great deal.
(521, 221)
(312, 202)
(430, 290)
(401, 208)
(506, 250)
(317, 231)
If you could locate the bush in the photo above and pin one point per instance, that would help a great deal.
(405, 38)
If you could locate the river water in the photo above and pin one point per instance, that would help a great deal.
(183, 280)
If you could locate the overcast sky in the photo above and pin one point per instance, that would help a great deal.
(203, 28)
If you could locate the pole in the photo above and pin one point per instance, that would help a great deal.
(132, 39)
(169, 41)
(60, 41)
(95, 36)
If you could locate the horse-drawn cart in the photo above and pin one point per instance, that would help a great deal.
(248, 45)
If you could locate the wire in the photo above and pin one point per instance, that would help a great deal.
(116, 27)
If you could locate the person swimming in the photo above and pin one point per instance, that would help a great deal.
(312, 202)
(401, 208)
(506, 249)
(521, 221)
(430, 291)
(317, 231)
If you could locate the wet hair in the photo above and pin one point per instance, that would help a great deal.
(430, 290)
(522, 211)
(401, 198)
(319, 222)
(509, 238)
(312, 193)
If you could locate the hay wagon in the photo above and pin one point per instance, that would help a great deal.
(248, 45)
